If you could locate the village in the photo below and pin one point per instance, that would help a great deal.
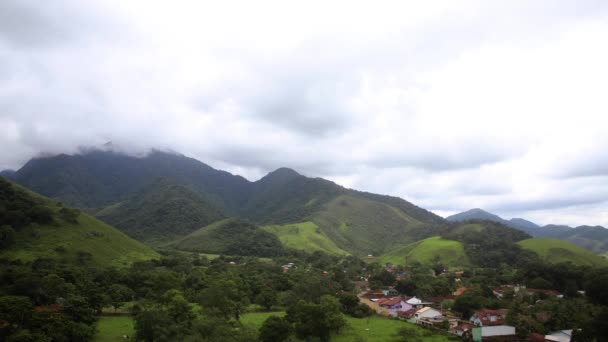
(485, 324)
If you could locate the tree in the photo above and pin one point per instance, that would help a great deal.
(267, 298)
(275, 329)
(7, 236)
(119, 294)
(15, 309)
(316, 320)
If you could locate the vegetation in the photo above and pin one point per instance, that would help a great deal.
(363, 226)
(427, 251)
(35, 227)
(113, 328)
(232, 237)
(557, 251)
(305, 236)
(161, 212)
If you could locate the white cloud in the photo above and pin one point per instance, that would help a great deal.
(449, 104)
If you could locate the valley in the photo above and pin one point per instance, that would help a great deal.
(203, 254)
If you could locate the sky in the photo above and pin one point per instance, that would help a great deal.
(451, 105)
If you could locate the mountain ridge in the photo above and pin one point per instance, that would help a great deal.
(592, 238)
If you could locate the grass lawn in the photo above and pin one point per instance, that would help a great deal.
(112, 328)
(373, 329)
(379, 329)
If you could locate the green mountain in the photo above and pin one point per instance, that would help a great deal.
(232, 237)
(126, 189)
(32, 227)
(96, 179)
(556, 251)
(161, 212)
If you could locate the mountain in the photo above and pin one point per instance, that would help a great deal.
(161, 212)
(37, 227)
(594, 239)
(233, 237)
(476, 214)
(101, 178)
(8, 174)
(120, 189)
(522, 224)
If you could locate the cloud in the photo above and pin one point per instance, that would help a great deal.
(451, 105)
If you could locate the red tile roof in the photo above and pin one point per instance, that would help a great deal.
(485, 316)
(391, 301)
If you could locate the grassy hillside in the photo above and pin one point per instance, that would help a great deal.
(447, 252)
(363, 226)
(305, 236)
(161, 212)
(231, 237)
(65, 234)
(556, 251)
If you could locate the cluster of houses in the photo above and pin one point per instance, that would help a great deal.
(483, 325)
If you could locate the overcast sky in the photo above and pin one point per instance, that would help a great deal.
(452, 105)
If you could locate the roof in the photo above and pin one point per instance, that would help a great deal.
(459, 291)
(464, 327)
(391, 301)
(414, 301)
(485, 316)
(407, 314)
(498, 330)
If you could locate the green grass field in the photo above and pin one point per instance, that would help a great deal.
(556, 251)
(111, 329)
(450, 252)
(305, 236)
(373, 329)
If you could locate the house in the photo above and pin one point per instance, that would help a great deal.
(417, 302)
(394, 305)
(461, 329)
(488, 317)
(494, 333)
(407, 315)
(426, 312)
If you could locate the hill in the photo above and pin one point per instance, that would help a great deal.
(475, 214)
(305, 236)
(556, 251)
(36, 227)
(362, 226)
(232, 237)
(594, 239)
(488, 243)
(161, 212)
(430, 250)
